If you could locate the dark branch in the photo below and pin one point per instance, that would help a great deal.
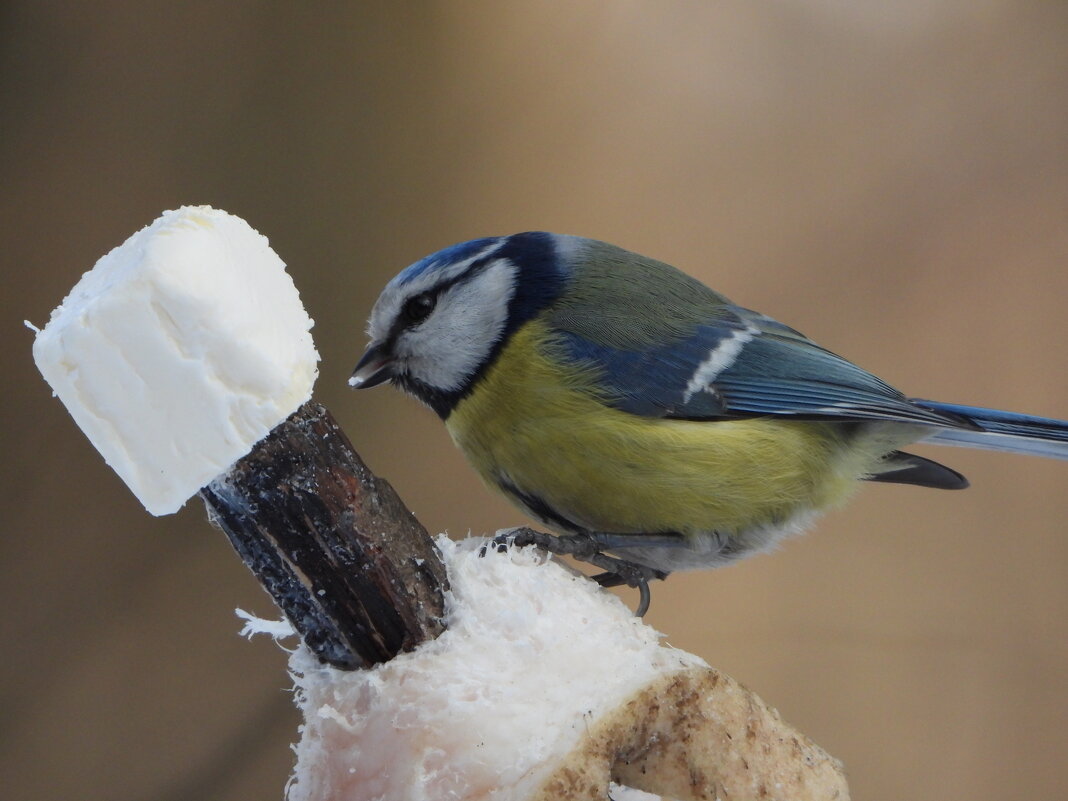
(336, 548)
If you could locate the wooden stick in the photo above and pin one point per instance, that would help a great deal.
(335, 547)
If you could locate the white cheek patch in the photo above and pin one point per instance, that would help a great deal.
(447, 349)
(719, 359)
(389, 304)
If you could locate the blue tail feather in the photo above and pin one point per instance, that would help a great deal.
(1001, 431)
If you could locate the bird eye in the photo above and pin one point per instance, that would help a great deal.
(418, 307)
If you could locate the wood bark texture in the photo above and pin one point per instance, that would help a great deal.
(335, 547)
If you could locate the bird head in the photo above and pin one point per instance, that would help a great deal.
(441, 321)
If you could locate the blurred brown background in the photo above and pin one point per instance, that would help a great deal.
(890, 178)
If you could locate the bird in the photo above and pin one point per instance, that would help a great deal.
(641, 416)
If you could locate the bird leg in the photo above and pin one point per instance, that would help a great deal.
(587, 548)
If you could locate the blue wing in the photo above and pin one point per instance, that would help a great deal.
(742, 364)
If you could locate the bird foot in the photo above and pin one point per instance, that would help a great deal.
(586, 548)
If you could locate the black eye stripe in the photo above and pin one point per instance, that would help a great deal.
(405, 319)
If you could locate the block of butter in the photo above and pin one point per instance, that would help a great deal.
(179, 350)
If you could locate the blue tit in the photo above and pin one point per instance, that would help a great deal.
(612, 396)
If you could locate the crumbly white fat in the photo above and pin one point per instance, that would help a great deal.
(179, 350)
(533, 656)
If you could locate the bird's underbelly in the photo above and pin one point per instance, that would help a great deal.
(644, 475)
(580, 465)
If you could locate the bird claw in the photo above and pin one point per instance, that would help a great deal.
(585, 548)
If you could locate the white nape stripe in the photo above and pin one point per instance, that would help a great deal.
(719, 359)
(568, 247)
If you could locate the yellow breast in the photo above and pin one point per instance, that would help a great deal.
(542, 429)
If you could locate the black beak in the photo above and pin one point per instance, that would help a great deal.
(374, 367)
